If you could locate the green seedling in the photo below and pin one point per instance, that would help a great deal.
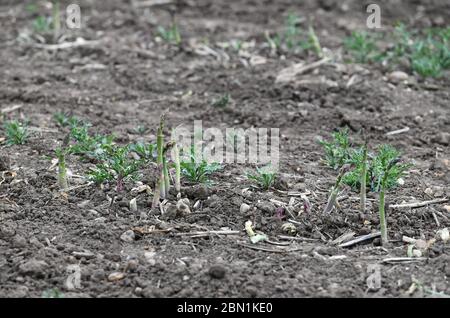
(338, 150)
(116, 164)
(416, 284)
(42, 25)
(429, 55)
(273, 42)
(31, 7)
(264, 177)
(373, 168)
(90, 147)
(292, 31)
(51, 25)
(222, 101)
(236, 45)
(331, 203)
(427, 52)
(16, 132)
(146, 152)
(171, 34)
(196, 170)
(52, 293)
(385, 153)
(140, 129)
(362, 47)
(64, 120)
(293, 38)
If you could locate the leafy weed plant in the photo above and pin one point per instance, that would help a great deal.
(264, 177)
(16, 132)
(196, 170)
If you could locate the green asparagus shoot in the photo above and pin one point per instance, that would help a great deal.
(387, 167)
(176, 159)
(62, 170)
(363, 189)
(335, 189)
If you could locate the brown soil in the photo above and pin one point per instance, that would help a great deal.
(115, 87)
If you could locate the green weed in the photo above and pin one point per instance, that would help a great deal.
(16, 132)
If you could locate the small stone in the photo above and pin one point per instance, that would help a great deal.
(443, 234)
(418, 119)
(197, 205)
(138, 291)
(84, 204)
(7, 230)
(397, 77)
(417, 253)
(245, 208)
(133, 205)
(289, 228)
(132, 265)
(4, 163)
(86, 255)
(257, 60)
(152, 292)
(98, 275)
(217, 271)
(19, 241)
(200, 192)
(439, 21)
(267, 207)
(246, 193)
(33, 268)
(128, 236)
(281, 183)
(183, 207)
(170, 211)
(439, 192)
(73, 281)
(447, 269)
(428, 191)
(252, 291)
(442, 138)
(421, 244)
(150, 258)
(143, 216)
(20, 292)
(113, 277)
(440, 164)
